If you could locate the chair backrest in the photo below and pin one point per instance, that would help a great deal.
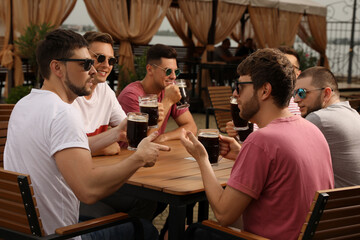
(334, 214)
(3, 135)
(18, 210)
(5, 111)
(220, 102)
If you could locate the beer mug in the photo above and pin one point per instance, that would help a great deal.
(209, 138)
(149, 104)
(137, 125)
(239, 123)
(184, 101)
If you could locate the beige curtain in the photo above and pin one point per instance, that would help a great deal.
(265, 22)
(177, 21)
(313, 32)
(24, 13)
(112, 17)
(240, 37)
(288, 26)
(6, 55)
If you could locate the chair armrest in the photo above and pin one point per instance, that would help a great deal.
(240, 234)
(91, 223)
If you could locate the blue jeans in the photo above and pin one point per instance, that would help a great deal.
(123, 231)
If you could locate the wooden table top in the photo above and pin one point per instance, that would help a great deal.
(172, 173)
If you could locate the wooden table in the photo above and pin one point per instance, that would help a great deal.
(173, 180)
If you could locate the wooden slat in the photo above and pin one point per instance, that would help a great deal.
(10, 196)
(15, 226)
(338, 222)
(340, 212)
(337, 232)
(7, 106)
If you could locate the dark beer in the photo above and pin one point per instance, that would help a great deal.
(211, 143)
(137, 126)
(239, 123)
(243, 134)
(153, 112)
(149, 104)
(183, 103)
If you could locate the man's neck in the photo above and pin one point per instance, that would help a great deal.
(149, 87)
(88, 97)
(57, 87)
(334, 99)
(267, 114)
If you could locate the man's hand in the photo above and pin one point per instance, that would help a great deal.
(229, 147)
(193, 146)
(148, 151)
(230, 129)
(172, 94)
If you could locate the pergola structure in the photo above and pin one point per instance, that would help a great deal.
(197, 22)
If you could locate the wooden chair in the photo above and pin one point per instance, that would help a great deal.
(3, 135)
(220, 102)
(5, 111)
(20, 217)
(334, 214)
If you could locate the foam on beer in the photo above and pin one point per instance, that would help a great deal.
(138, 118)
(208, 135)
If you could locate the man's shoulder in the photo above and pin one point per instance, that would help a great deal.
(133, 88)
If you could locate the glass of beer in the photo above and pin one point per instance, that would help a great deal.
(243, 134)
(184, 101)
(209, 138)
(137, 125)
(149, 104)
(239, 123)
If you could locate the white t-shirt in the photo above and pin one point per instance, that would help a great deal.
(40, 125)
(101, 110)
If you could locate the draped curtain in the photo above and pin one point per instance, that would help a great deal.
(241, 33)
(138, 28)
(24, 13)
(313, 32)
(179, 24)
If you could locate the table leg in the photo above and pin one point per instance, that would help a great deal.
(177, 216)
(203, 212)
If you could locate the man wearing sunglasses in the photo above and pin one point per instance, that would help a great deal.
(316, 92)
(46, 139)
(100, 108)
(161, 73)
(282, 164)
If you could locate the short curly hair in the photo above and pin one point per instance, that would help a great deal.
(270, 65)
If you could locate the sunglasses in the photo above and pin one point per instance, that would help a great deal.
(87, 62)
(301, 92)
(238, 84)
(168, 71)
(101, 58)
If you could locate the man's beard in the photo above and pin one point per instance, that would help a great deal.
(79, 91)
(250, 108)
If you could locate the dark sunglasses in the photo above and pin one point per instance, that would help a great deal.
(101, 58)
(238, 89)
(87, 62)
(301, 92)
(168, 71)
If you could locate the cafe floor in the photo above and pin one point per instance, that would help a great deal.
(200, 119)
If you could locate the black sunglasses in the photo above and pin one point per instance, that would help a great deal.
(238, 85)
(301, 92)
(101, 58)
(168, 71)
(87, 62)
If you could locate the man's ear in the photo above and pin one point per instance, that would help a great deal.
(265, 91)
(327, 95)
(56, 68)
(149, 69)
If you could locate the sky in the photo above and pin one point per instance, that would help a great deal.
(80, 16)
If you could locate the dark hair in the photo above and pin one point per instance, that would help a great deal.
(93, 36)
(158, 51)
(59, 43)
(321, 77)
(270, 65)
(290, 51)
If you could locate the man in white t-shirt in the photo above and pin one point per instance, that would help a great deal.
(46, 139)
(99, 110)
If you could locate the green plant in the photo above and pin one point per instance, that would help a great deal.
(27, 43)
(140, 71)
(17, 93)
(306, 60)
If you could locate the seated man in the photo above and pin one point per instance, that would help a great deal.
(317, 93)
(246, 49)
(294, 59)
(99, 109)
(160, 59)
(279, 167)
(55, 150)
(222, 53)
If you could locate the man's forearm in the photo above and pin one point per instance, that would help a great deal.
(103, 139)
